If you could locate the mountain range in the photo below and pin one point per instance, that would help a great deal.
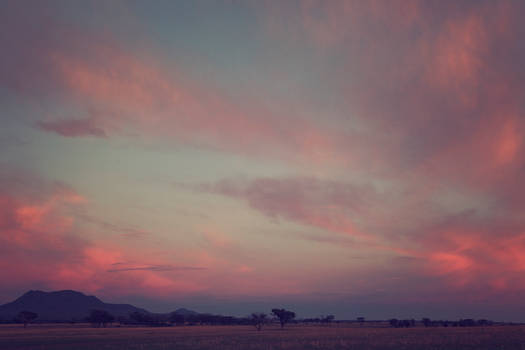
(66, 305)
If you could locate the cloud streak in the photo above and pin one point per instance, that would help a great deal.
(73, 127)
(156, 268)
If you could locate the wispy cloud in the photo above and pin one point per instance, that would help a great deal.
(124, 230)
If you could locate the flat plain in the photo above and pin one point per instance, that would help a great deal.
(83, 337)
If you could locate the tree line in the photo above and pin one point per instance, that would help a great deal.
(426, 322)
(101, 318)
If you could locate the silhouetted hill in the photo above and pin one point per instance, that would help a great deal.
(62, 305)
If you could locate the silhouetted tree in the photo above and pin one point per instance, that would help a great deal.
(27, 317)
(361, 320)
(259, 319)
(283, 315)
(122, 320)
(100, 318)
(394, 322)
(149, 319)
(467, 323)
(327, 319)
(484, 322)
(426, 322)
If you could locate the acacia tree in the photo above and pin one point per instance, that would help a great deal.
(100, 318)
(259, 319)
(283, 315)
(27, 317)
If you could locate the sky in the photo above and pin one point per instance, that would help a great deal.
(355, 158)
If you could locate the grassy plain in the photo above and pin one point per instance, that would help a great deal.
(75, 337)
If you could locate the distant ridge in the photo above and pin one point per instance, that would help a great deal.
(64, 305)
(185, 312)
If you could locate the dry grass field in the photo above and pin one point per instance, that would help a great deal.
(45, 337)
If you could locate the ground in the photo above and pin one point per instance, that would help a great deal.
(83, 337)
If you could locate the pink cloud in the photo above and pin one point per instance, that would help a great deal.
(508, 142)
(136, 93)
(44, 244)
(329, 23)
(328, 205)
(478, 258)
(426, 77)
(40, 244)
(141, 94)
(457, 251)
